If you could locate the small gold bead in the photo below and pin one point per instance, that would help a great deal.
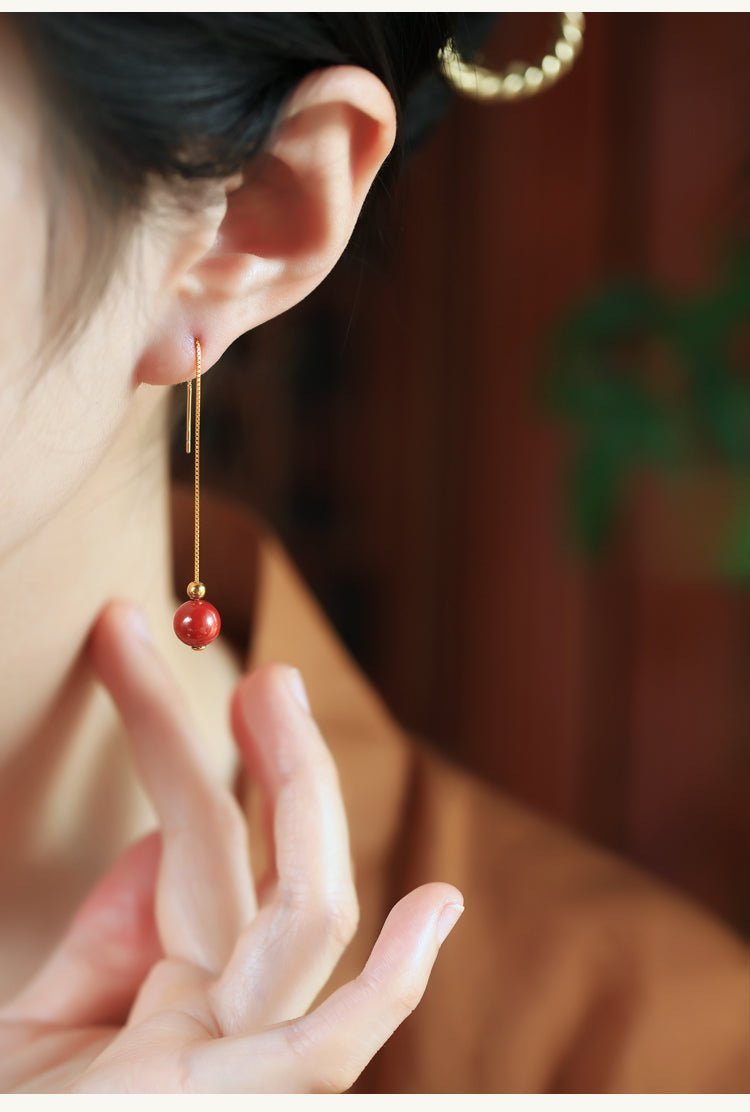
(197, 648)
(196, 589)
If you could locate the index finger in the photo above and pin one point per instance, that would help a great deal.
(204, 893)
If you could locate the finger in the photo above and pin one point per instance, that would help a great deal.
(92, 976)
(327, 1050)
(204, 893)
(285, 957)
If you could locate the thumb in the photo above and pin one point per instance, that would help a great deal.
(111, 943)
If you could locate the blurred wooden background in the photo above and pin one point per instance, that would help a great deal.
(390, 429)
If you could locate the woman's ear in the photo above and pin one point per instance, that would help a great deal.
(282, 225)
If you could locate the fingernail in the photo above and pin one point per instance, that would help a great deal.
(297, 688)
(139, 625)
(449, 916)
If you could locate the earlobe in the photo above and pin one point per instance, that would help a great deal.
(286, 221)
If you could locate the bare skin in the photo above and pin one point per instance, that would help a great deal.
(165, 945)
(176, 974)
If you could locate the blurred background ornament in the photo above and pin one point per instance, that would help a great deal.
(519, 80)
(652, 383)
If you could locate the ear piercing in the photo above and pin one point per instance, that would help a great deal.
(197, 622)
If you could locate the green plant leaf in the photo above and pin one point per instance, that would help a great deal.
(616, 313)
(596, 483)
(645, 381)
(734, 558)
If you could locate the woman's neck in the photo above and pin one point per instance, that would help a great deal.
(111, 539)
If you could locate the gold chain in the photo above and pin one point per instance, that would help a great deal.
(196, 622)
(519, 80)
(197, 551)
(196, 455)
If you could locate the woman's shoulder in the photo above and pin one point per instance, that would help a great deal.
(571, 968)
(372, 752)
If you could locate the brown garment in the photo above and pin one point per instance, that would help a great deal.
(570, 970)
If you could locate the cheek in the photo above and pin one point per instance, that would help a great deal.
(47, 437)
(60, 419)
(23, 237)
(57, 417)
(23, 233)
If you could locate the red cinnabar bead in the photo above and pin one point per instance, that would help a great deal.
(197, 623)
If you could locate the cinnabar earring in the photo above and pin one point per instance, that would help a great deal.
(197, 622)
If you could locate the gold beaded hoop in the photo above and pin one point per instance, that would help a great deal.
(519, 81)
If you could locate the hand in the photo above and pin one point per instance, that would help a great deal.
(174, 976)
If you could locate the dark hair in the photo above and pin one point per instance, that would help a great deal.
(187, 98)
